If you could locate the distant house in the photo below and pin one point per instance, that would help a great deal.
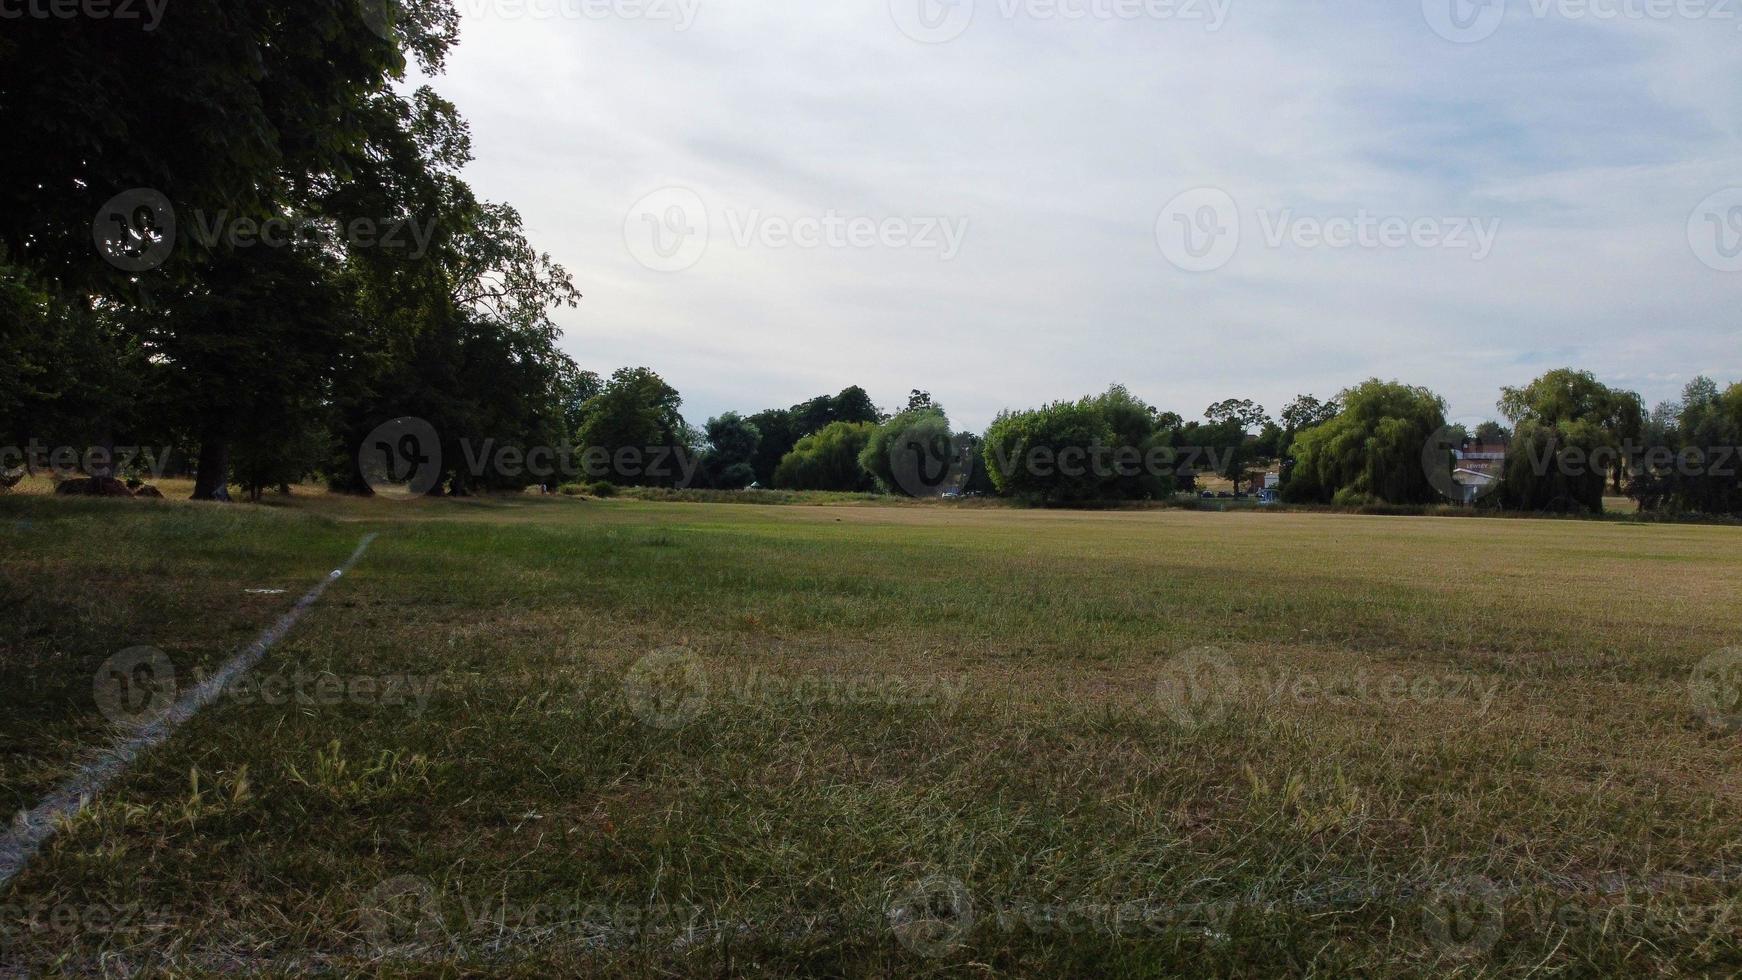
(1489, 457)
(1478, 467)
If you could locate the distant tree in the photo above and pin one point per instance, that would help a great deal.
(1559, 419)
(1303, 413)
(1143, 468)
(1372, 450)
(731, 447)
(781, 429)
(637, 411)
(1688, 453)
(1243, 415)
(1548, 467)
(917, 399)
(813, 416)
(915, 454)
(1271, 441)
(1306, 412)
(575, 388)
(1110, 446)
(1699, 396)
(828, 460)
(979, 475)
(779, 435)
(854, 404)
(1045, 455)
(1493, 433)
(1242, 410)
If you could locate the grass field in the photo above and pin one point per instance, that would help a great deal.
(553, 736)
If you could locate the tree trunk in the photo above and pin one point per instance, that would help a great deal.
(212, 480)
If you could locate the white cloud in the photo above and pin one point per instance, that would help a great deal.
(1060, 141)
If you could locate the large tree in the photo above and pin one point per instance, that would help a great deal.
(1110, 446)
(1565, 421)
(732, 442)
(635, 424)
(1371, 451)
(1690, 454)
(916, 454)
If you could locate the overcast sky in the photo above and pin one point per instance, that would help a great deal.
(1006, 205)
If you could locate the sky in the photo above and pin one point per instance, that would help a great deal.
(1011, 202)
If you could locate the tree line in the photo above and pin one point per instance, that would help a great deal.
(1560, 444)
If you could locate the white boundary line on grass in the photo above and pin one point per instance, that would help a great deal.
(32, 829)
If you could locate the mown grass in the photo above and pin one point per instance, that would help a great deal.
(975, 704)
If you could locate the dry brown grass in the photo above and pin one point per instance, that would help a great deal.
(1282, 818)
